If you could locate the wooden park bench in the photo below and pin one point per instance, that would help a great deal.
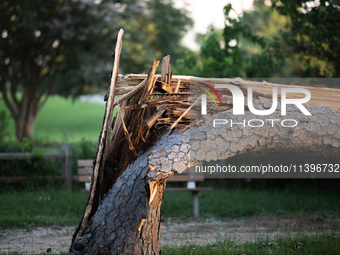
(191, 180)
(85, 168)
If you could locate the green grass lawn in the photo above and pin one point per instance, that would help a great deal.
(47, 207)
(301, 244)
(64, 120)
(236, 203)
(41, 207)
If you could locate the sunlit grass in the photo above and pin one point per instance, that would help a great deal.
(41, 207)
(64, 120)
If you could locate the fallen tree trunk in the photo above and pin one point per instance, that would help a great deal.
(123, 212)
(128, 220)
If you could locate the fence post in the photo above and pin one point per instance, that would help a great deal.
(66, 166)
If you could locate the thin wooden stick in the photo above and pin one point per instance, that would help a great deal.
(124, 90)
(151, 80)
(192, 123)
(186, 111)
(152, 120)
(103, 137)
(131, 93)
(177, 86)
(126, 132)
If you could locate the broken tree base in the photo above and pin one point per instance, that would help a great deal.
(128, 219)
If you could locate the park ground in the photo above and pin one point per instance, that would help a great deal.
(183, 232)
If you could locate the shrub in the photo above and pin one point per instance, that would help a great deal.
(33, 167)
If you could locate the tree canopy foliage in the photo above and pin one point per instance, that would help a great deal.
(313, 35)
(289, 38)
(64, 47)
(222, 55)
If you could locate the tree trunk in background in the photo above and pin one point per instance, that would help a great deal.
(24, 126)
(24, 110)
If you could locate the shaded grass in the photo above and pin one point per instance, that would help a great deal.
(248, 202)
(52, 206)
(301, 244)
(65, 120)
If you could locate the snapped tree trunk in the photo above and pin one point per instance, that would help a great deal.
(123, 211)
(128, 218)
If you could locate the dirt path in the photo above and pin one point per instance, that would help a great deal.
(175, 232)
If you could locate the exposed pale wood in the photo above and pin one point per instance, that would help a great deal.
(177, 86)
(152, 120)
(165, 86)
(131, 93)
(151, 81)
(172, 94)
(127, 135)
(320, 95)
(133, 79)
(176, 122)
(124, 90)
(169, 103)
(165, 120)
(177, 112)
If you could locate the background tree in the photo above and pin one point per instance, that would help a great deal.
(163, 28)
(313, 36)
(221, 54)
(285, 39)
(64, 47)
